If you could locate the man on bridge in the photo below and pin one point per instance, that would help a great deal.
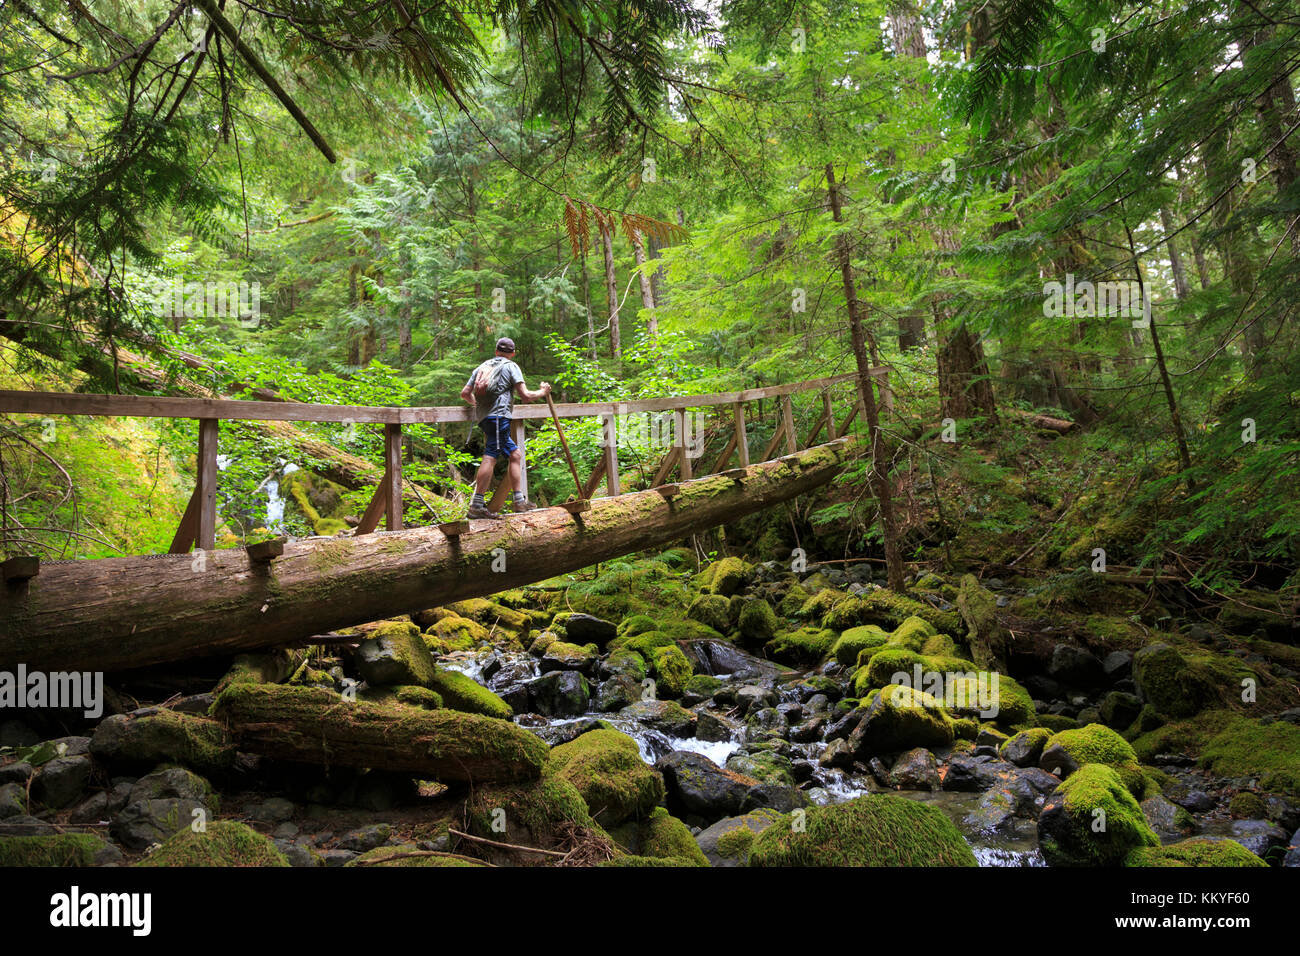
(490, 390)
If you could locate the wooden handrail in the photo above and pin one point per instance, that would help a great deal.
(150, 406)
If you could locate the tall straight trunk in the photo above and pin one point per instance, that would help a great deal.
(586, 304)
(404, 317)
(647, 293)
(611, 290)
(1181, 289)
(1220, 171)
(879, 473)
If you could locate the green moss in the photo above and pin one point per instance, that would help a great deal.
(1231, 745)
(628, 663)
(455, 633)
(703, 685)
(808, 645)
(1171, 684)
(794, 600)
(605, 766)
(1198, 851)
(1098, 744)
(408, 647)
(490, 614)
(672, 669)
(165, 737)
(637, 624)
(390, 856)
(224, 843)
(857, 639)
(61, 849)
(419, 697)
(541, 642)
(757, 621)
(464, 693)
(895, 608)
(1033, 737)
(939, 645)
(883, 665)
(537, 814)
(735, 844)
(820, 604)
(912, 634)
(644, 644)
(1246, 806)
(725, 577)
(880, 830)
(1057, 722)
(965, 728)
(1092, 820)
(665, 837)
(900, 717)
(711, 610)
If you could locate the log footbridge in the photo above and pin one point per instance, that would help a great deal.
(119, 613)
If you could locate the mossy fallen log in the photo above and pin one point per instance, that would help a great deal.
(118, 613)
(310, 725)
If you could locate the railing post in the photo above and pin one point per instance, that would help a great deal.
(787, 414)
(686, 469)
(742, 443)
(611, 455)
(207, 484)
(393, 476)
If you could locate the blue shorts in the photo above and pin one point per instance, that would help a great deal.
(499, 441)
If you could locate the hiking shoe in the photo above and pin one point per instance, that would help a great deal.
(518, 507)
(481, 511)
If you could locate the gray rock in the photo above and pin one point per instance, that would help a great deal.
(62, 781)
(586, 629)
(1056, 760)
(285, 831)
(160, 805)
(916, 770)
(17, 772)
(1258, 836)
(1292, 856)
(715, 727)
(560, 694)
(720, 658)
(696, 786)
(773, 796)
(94, 809)
(757, 820)
(299, 855)
(337, 857)
(1075, 667)
(662, 715)
(754, 697)
(13, 801)
(27, 826)
(273, 810)
(366, 838)
(1169, 820)
(1023, 750)
(617, 692)
(838, 753)
(1117, 664)
(1119, 709)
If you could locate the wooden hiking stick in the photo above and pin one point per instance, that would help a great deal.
(565, 445)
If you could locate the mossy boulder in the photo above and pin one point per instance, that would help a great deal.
(793, 601)
(223, 843)
(624, 662)
(895, 608)
(1095, 744)
(60, 849)
(819, 605)
(395, 653)
(561, 655)
(912, 633)
(542, 813)
(644, 643)
(807, 645)
(672, 669)
(882, 667)
(605, 766)
(1232, 745)
(1010, 707)
(1169, 683)
(757, 621)
(898, 718)
(492, 614)
(407, 854)
(140, 743)
(662, 836)
(939, 645)
(880, 830)
(702, 685)
(857, 639)
(727, 576)
(637, 624)
(1198, 851)
(452, 633)
(711, 610)
(1026, 747)
(1092, 820)
(460, 692)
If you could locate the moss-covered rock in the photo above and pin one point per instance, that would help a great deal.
(1098, 744)
(1198, 851)
(637, 624)
(883, 665)
(912, 633)
(561, 655)
(1232, 745)
(605, 766)
(626, 663)
(1169, 683)
(1092, 820)
(223, 843)
(728, 576)
(793, 601)
(491, 614)
(757, 621)
(139, 743)
(1026, 747)
(895, 608)
(898, 718)
(407, 854)
(819, 605)
(857, 639)
(542, 814)
(1010, 707)
(395, 653)
(711, 610)
(464, 693)
(663, 836)
(61, 849)
(672, 669)
(808, 645)
(538, 645)
(452, 633)
(878, 830)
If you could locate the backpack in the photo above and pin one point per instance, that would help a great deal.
(490, 379)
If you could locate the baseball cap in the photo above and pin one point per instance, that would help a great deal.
(505, 345)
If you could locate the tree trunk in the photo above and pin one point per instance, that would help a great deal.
(879, 479)
(611, 290)
(647, 293)
(120, 613)
(1181, 288)
(310, 725)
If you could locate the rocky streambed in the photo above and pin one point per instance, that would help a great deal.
(676, 719)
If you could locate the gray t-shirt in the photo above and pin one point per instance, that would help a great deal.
(500, 404)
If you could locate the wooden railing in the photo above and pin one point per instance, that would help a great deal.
(198, 524)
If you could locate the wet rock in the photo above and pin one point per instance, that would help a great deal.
(838, 753)
(697, 786)
(1025, 748)
(1056, 760)
(765, 723)
(899, 719)
(662, 715)
(809, 730)
(843, 727)
(714, 727)
(990, 738)
(1117, 665)
(915, 770)
(1119, 709)
(13, 801)
(616, 693)
(366, 838)
(561, 655)
(995, 813)
(623, 663)
(160, 805)
(560, 694)
(1258, 836)
(763, 766)
(509, 674)
(1075, 667)
(754, 697)
(1169, 820)
(720, 658)
(586, 629)
(18, 772)
(968, 774)
(734, 850)
(1193, 800)
(63, 780)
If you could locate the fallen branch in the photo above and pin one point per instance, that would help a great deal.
(505, 846)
